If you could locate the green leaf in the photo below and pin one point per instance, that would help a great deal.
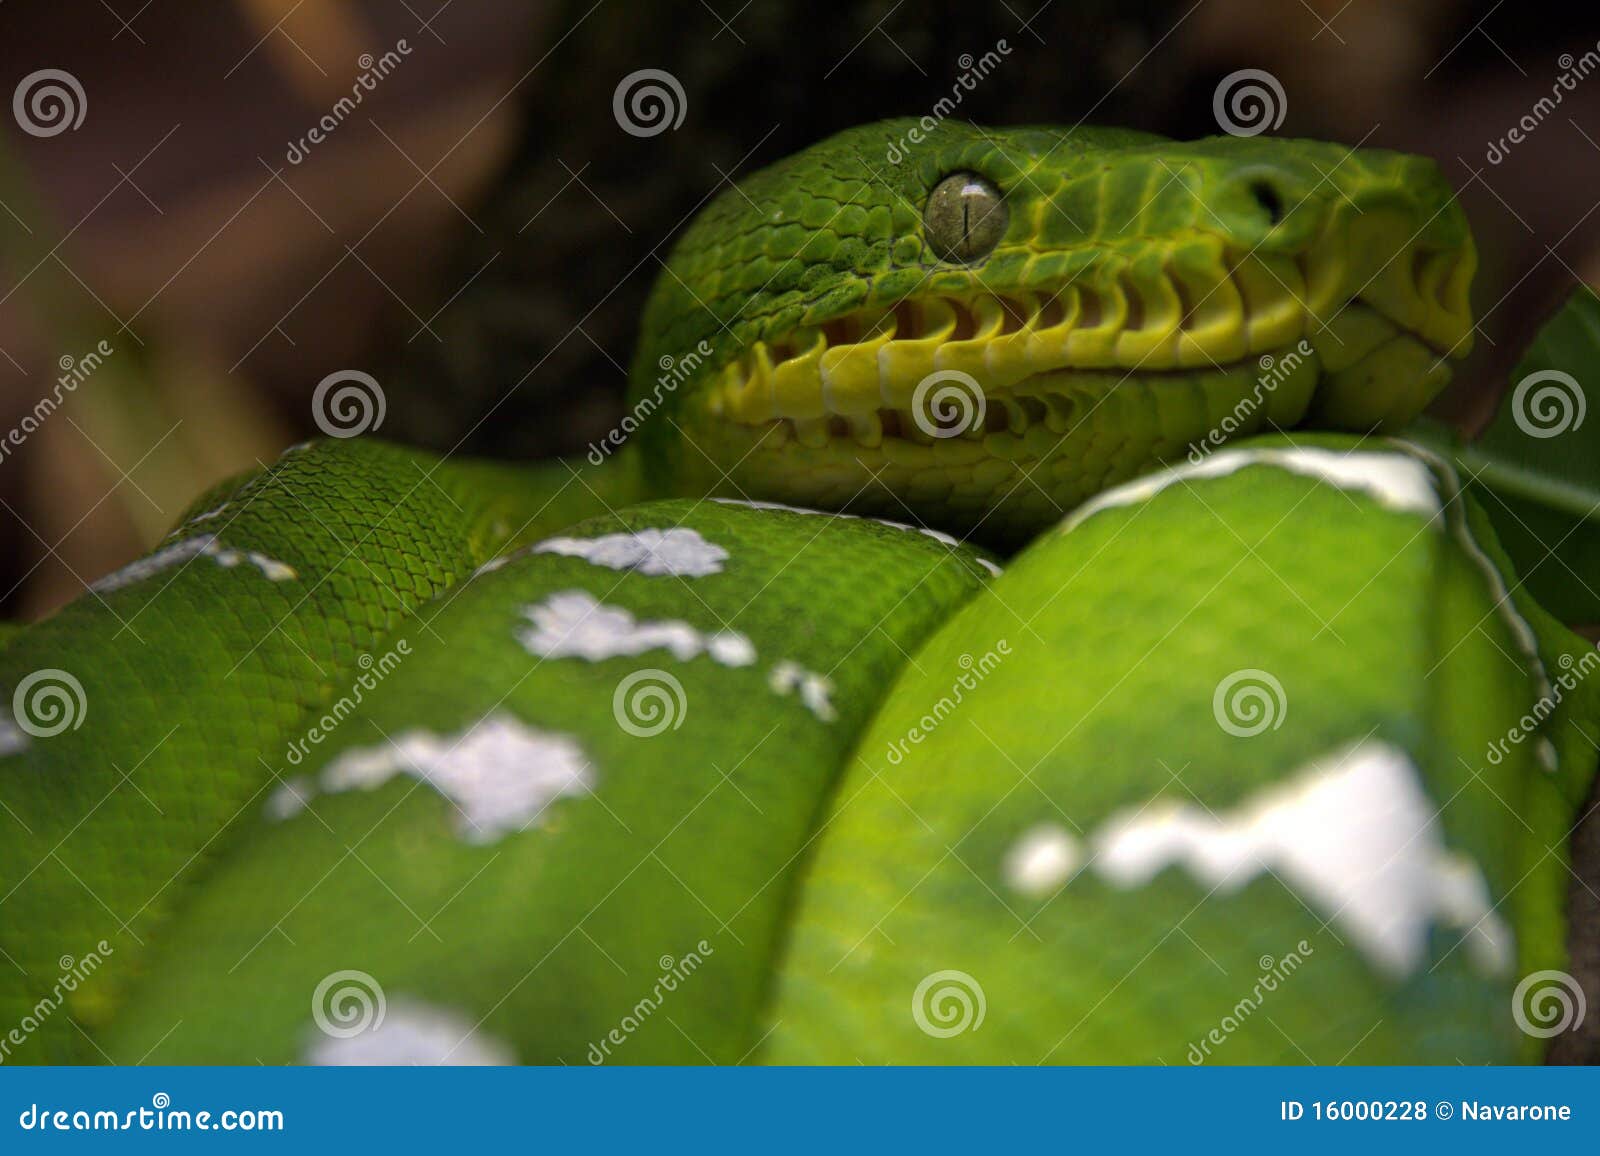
(1536, 468)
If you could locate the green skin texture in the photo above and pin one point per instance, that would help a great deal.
(836, 230)
(824, 879)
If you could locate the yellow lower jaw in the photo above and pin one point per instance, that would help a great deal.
(1039, 448)
(1374, 373)
(1196, 305)
(857, 366)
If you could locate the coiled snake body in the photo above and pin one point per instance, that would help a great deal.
(387, 758)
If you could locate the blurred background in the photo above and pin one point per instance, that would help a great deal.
(478, 231)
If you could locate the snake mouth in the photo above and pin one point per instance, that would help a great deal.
(1378, 340)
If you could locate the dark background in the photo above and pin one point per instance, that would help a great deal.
(480, 233)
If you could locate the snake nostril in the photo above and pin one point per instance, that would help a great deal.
(1266, 195)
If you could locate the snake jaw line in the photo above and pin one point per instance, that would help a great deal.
(1139, 297)
(874, 358)
(849, 389)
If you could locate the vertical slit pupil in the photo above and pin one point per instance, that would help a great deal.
(965, 217)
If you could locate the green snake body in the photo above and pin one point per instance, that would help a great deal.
(575, 774)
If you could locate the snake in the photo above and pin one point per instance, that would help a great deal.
(1006, 626)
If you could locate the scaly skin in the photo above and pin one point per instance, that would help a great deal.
(246, 809)
(1141, 289)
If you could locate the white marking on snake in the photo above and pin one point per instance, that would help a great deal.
(12, 738)
(209, 514)
(816, 690)
(937, 535)
(412, 1033)
(1527, 640)
(289, 798)
(500, 774)
(679, 552)
(1354, 832)
(1394, 479)
(752, 504)
(1044, 858)
(574, 624)
(179, 553)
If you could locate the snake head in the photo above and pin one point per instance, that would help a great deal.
(983, 327)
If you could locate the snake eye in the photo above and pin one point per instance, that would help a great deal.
(965, 217)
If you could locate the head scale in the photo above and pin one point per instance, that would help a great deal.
(982, 327)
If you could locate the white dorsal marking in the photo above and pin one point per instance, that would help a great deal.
(680, 552)
(1396, 480)
(574, 624)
